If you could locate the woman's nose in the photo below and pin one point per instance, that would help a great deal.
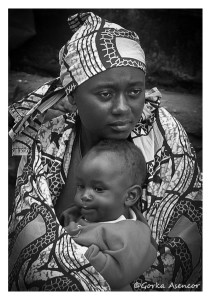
(120, 104)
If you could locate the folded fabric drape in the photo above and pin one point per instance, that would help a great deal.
(43, 256)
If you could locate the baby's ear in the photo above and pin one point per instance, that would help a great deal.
(71, 99)
(133, 193)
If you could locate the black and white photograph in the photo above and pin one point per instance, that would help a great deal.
(105, 155)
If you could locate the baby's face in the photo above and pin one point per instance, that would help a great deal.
(101, 187)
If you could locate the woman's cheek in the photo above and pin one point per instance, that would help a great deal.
(139, 108)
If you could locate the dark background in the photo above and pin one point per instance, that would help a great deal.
(171, 39)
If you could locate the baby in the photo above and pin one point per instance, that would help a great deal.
(104, 218)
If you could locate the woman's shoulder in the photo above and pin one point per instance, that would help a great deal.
(28, 114)
(58, 124)
(57, 131)
(155, 118)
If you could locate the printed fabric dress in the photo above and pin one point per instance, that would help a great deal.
(44, 257)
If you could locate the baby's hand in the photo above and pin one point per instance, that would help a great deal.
(70, 214)
(73, 229)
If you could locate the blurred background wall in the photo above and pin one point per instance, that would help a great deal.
(171, 39)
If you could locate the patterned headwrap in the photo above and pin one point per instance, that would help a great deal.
(97, 45)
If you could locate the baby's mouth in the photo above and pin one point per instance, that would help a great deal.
(85, 209)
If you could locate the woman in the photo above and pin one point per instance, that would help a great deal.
(103, 74)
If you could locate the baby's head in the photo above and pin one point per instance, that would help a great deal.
(109, 180)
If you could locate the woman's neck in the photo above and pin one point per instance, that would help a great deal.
(87, 140)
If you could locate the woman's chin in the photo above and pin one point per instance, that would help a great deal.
(118, 135)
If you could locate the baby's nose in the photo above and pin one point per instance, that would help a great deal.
(86, 197)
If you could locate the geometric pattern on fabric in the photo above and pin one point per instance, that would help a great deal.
(28, 115)
(97, 45)
(177, 254)
(107, 43)
(42, 255)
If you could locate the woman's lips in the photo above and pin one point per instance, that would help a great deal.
(120, 125)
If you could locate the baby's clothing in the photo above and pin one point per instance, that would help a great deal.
(120, 250)
(122, 217)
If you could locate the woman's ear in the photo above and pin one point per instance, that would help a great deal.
(133, 193)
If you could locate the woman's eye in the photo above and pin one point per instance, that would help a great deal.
(106, 95)
(135, 92)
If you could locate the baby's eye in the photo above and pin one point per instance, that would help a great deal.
(99, 189)
(80, 187)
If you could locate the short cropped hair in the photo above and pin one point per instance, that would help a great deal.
(131, 155)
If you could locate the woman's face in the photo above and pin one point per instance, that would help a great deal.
(111, 103)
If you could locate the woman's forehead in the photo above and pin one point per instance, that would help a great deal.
(110, 77)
